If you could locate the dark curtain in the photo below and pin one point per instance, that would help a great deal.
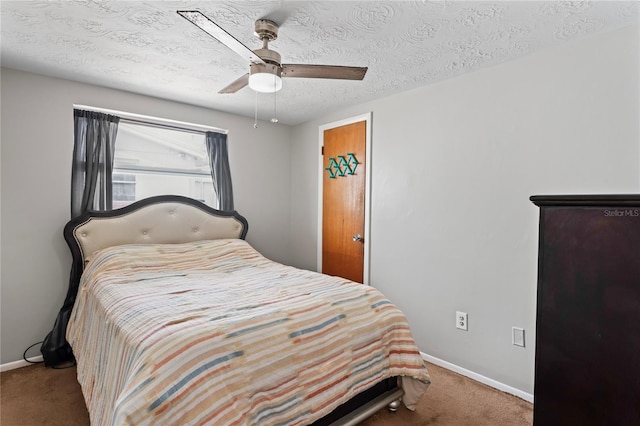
(94, 143)
(220, 171)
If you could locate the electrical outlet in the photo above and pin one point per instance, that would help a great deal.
(461, 321)
(517, 336)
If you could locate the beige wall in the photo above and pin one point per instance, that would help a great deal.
(453, 166)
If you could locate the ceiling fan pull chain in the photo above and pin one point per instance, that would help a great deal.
(255, 120)
(274, 120)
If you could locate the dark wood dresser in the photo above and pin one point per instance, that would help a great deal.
(587, 360)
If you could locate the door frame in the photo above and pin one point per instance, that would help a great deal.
(367, 187)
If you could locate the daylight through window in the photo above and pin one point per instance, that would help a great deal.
(155, 160)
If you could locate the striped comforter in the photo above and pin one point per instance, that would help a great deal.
(214, 333)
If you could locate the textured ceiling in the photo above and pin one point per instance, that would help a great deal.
(146, 47)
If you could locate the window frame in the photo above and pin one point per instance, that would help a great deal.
(151, 121)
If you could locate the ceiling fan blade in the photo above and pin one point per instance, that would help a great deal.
(211, 28)
(236, 85)
(323, 71)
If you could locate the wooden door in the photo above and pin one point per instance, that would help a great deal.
(343, 201)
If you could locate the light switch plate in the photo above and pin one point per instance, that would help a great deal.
(517, 337)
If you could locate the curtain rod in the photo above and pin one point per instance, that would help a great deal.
(147, 119)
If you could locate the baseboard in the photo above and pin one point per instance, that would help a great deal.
(478, 377)
(18, 364)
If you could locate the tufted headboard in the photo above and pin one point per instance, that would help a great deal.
(165, 219)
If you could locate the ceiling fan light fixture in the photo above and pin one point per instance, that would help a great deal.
(265, 82)
(265, 78)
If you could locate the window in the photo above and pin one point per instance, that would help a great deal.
(124, 189)
(154, 160)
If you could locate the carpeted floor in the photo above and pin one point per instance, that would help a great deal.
(39, 396)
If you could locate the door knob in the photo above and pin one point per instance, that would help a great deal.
(357, 238)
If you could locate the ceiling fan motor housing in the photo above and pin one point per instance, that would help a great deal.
(269, 56)
(265, 68)
(266, 29)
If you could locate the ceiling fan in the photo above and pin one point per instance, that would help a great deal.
(265, 68)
